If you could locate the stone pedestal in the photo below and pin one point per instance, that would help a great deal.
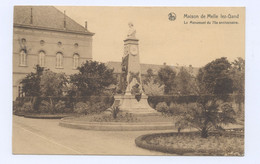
(129, 104)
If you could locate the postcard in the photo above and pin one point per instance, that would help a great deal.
(150, 81)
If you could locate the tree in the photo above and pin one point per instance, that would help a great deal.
(151, 86)
(53, 85)
(210, 110)
(153, 89)
(92, 79)
(237, 74)
(31, 86)
(31, 83)
(149, 77)
(166, 76)
(184, 82)
(214, 77)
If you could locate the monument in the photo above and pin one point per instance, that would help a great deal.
(133, 100)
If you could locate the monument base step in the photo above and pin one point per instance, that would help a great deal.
(128, 103)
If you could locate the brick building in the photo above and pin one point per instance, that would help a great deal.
(43, 35)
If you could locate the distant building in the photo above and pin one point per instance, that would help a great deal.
(43, 35)
(154, 67)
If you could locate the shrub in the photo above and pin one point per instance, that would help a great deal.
(207, 114)
(16, 106)
(97, 103)
(175, 99)
(97, 107)
(152, 105)
(45, 107)
(81, 108)
(36, 101)
(153, 89)
(128, 117)
(176, 109)
(162, 107)
(121, 117)
(60, 106)
(115, 111)
(68, 110)
(27, 107)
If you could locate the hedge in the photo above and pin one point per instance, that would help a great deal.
(70, 102)
(180, 99)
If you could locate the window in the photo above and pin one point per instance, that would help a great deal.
(59, 60)
(23, 41)
(41, 58)
(59, 44)
(23, 57)
(42, 42)
(75, 61)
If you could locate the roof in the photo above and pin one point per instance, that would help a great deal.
(154, 67)
(46, 17)
(114, 65)
(144, 67)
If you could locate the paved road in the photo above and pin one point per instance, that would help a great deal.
(44, 136)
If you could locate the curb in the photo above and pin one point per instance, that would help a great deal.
(117, 126)
(42, 116)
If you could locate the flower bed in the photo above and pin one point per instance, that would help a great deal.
(229, 143)
(122, 117)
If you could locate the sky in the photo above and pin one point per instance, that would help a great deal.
(162, 40)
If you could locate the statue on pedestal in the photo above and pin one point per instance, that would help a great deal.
(133, 99)
(132, 31)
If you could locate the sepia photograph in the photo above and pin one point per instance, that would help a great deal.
(135, 81)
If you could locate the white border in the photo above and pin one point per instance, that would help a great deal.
(252, 106)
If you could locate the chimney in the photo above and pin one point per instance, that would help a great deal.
(64, 19)
(31, 21)
(86, 25)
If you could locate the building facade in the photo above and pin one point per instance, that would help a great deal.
(45, 36)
